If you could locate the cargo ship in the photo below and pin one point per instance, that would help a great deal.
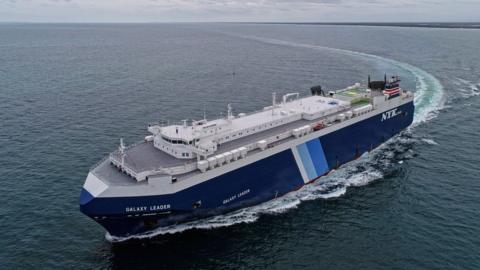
(198, 169)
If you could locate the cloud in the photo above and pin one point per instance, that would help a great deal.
(237, 10)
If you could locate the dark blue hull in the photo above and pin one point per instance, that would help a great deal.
(250, 185)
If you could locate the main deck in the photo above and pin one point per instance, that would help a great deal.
(134, 164)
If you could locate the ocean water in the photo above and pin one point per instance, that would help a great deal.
(70, 91)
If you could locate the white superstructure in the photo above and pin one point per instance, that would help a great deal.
(206, 145)
(202, 138)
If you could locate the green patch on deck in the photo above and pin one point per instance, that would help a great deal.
(360, 101)
(351, 93)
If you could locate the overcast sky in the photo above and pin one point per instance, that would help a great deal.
(239, 10)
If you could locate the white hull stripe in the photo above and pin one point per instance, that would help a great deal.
(300, 166)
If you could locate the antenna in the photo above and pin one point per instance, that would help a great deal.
(121, 150)
(274, 101)
(229, 111)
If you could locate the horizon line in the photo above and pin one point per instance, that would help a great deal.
(424, 24)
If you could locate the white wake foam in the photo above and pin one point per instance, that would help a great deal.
(429, 141)
(428, 101)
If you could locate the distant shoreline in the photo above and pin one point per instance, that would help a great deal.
(456, 25)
